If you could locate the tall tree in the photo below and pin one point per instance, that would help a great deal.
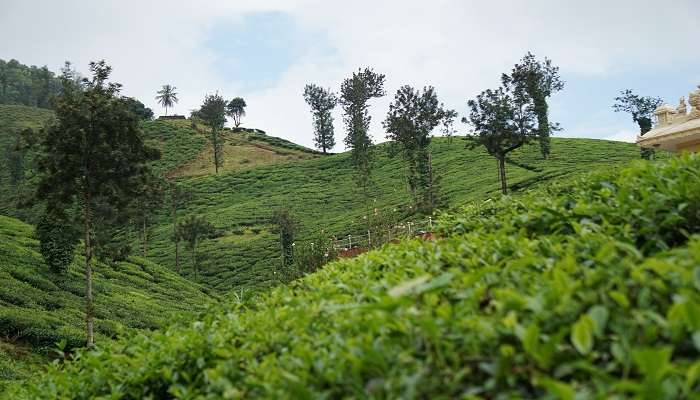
(502, 120)
(236, 110)
(355, 93)
(213, 113)
(179, 197)
(92, 151)
(539, 79)
(322, 102)
(167, 97)
(285, 225)
(412, 117)
(193, 230)
(641, 108)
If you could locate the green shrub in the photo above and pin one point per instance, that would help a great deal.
(540, 303)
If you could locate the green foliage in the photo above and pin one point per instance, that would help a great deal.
(549, 295)
(503, 120)
(92, 157)
(236, 109)
(285, 225)
(29, 86)
(58, 239)
(167, 97)
(178, 144)
(323, 201)
(539, 79)
(139, 109)
(410, 122)
(192, 231)
(355, 92)
(213, 113)
(39, 307)
(641, 108)
(322, 102)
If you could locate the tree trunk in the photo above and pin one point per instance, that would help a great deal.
(645, 126)
(194, 262)
(144, 238)
(177, 241)
(543, 126)
(89, 310)
(166, 111)
(502, 174)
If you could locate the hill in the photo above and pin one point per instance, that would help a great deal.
(186, 150)
(321, 194)
(263, 173)
(39, 308)
(588, 289)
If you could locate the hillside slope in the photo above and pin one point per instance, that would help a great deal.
(322, 195)
(589, 289)
(39, 308)
(186, 150)
(263, 173)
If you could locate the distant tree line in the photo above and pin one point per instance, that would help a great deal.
(27, 85)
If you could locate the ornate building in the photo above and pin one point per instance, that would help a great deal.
(676, 129)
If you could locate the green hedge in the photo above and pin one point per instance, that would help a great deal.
(567, 294)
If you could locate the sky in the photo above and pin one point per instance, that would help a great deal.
(266, 51)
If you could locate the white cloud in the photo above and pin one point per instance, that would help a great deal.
(460, 47)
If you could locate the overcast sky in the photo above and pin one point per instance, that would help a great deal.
(266, 51)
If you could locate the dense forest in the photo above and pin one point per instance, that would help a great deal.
(27, 85)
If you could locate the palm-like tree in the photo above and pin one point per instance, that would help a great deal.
(167, 97)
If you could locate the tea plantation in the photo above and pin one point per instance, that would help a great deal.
(39, 308)
(321, 194)
(578, 291)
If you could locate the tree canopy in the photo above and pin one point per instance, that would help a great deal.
(92, 155)
(641, 108)
(236, 110)
(412, 117)
(213, 113)
(322, 102)
(355, 93)
(27, 85)
(539, 79)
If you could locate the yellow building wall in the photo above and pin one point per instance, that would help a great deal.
(693, 147)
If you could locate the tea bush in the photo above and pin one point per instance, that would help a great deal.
(39, 307)
(564, 293)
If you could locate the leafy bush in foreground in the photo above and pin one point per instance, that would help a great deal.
(543, 302)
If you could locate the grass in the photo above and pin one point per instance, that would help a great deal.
(188, 152)
(39, 308)
(322, 196)
(581, 290)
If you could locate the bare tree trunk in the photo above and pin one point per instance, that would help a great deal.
(143, 238)
(194, 262)
(502, 174)
(177, 241)
(89, 310)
